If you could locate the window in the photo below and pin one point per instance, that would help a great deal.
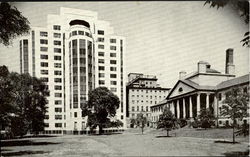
(101, 82)
(80, 32)
(59, 95)
(56, 42)
(44, 64)
(113, 82)
(112, 75)
(57, 50)
(57, 58)
(113, 89)
(146, 108)
(101, 46)
(112, 68)
(100, 39)
(112, 54)
(133, 108)
(87, 34)
(75, 114)
(100, 60)
(57, 35)
(45, 79)
(74, 33)
(44, 49)
(100, 32)
(101, 75)
(57, 73)
(44, 56)
(112, 40)
(58, 87)
(58, 80)
(112, 61)
(101, 68)
(100, 53)
(137, 108)
(43, 41)
(58, 125)
(44, 34)
(57, 65)
(112, 47)
(46, 125)
(46, 116)
(58, 109)
(57, 27)
(44, 72)
(58, 117)
(58, 102)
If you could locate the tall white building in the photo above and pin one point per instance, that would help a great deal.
(74, 54)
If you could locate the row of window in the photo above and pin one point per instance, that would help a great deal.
(74, 33)
(147, 90)
(138, 101)
(46, 57)
(102, 40)
(148, 96)
(102, 47)
(45, 34)
(138, 108)
(45, 49)
(46, 72)
(102, 82)
(45, 42)
(101, 54)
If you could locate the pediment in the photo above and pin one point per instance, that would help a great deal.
(180, 89)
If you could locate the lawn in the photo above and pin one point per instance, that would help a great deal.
(129, 143)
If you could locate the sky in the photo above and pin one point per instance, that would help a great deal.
(162, 37)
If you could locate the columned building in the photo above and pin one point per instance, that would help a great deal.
(203, 89)
(74, 54)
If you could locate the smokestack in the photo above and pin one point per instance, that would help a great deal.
(229, 68)
(182, 75)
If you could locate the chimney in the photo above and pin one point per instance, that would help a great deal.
(229, 68)
(202, 66)
(182, 75)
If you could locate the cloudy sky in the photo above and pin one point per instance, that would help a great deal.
(163, 38)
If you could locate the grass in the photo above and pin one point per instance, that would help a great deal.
(125, 144)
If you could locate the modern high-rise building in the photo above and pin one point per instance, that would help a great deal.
(142, 93)
(74, 54)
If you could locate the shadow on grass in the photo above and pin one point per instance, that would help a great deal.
(230, 142)
(39, 136)
(24, 143)
(20, 153)
(163, 136)
(237, 154)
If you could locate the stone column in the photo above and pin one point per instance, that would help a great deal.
(172, 107)
(198, 104)
(184, 108)
(207, 100)
(177, 109)
(215, 107)
(190, 107)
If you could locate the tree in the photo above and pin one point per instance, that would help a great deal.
(166, 120)
(141, 121)
(206, 118)
(100, 108)
(235, 105)
(242, 6)
(30, 103)
(12, 23)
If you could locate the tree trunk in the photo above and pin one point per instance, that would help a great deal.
(233, 135)
(142, 130)
(100, 129)
(167, 133)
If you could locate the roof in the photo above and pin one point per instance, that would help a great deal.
(197, 86)
(212, 71)
(233, 82)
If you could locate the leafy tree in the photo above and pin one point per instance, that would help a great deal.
(235, 105)
(101, 106)
(166, 120)
(141, 121)
(12, 23)
(6, 97)
(243, 8)
(206, 118)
